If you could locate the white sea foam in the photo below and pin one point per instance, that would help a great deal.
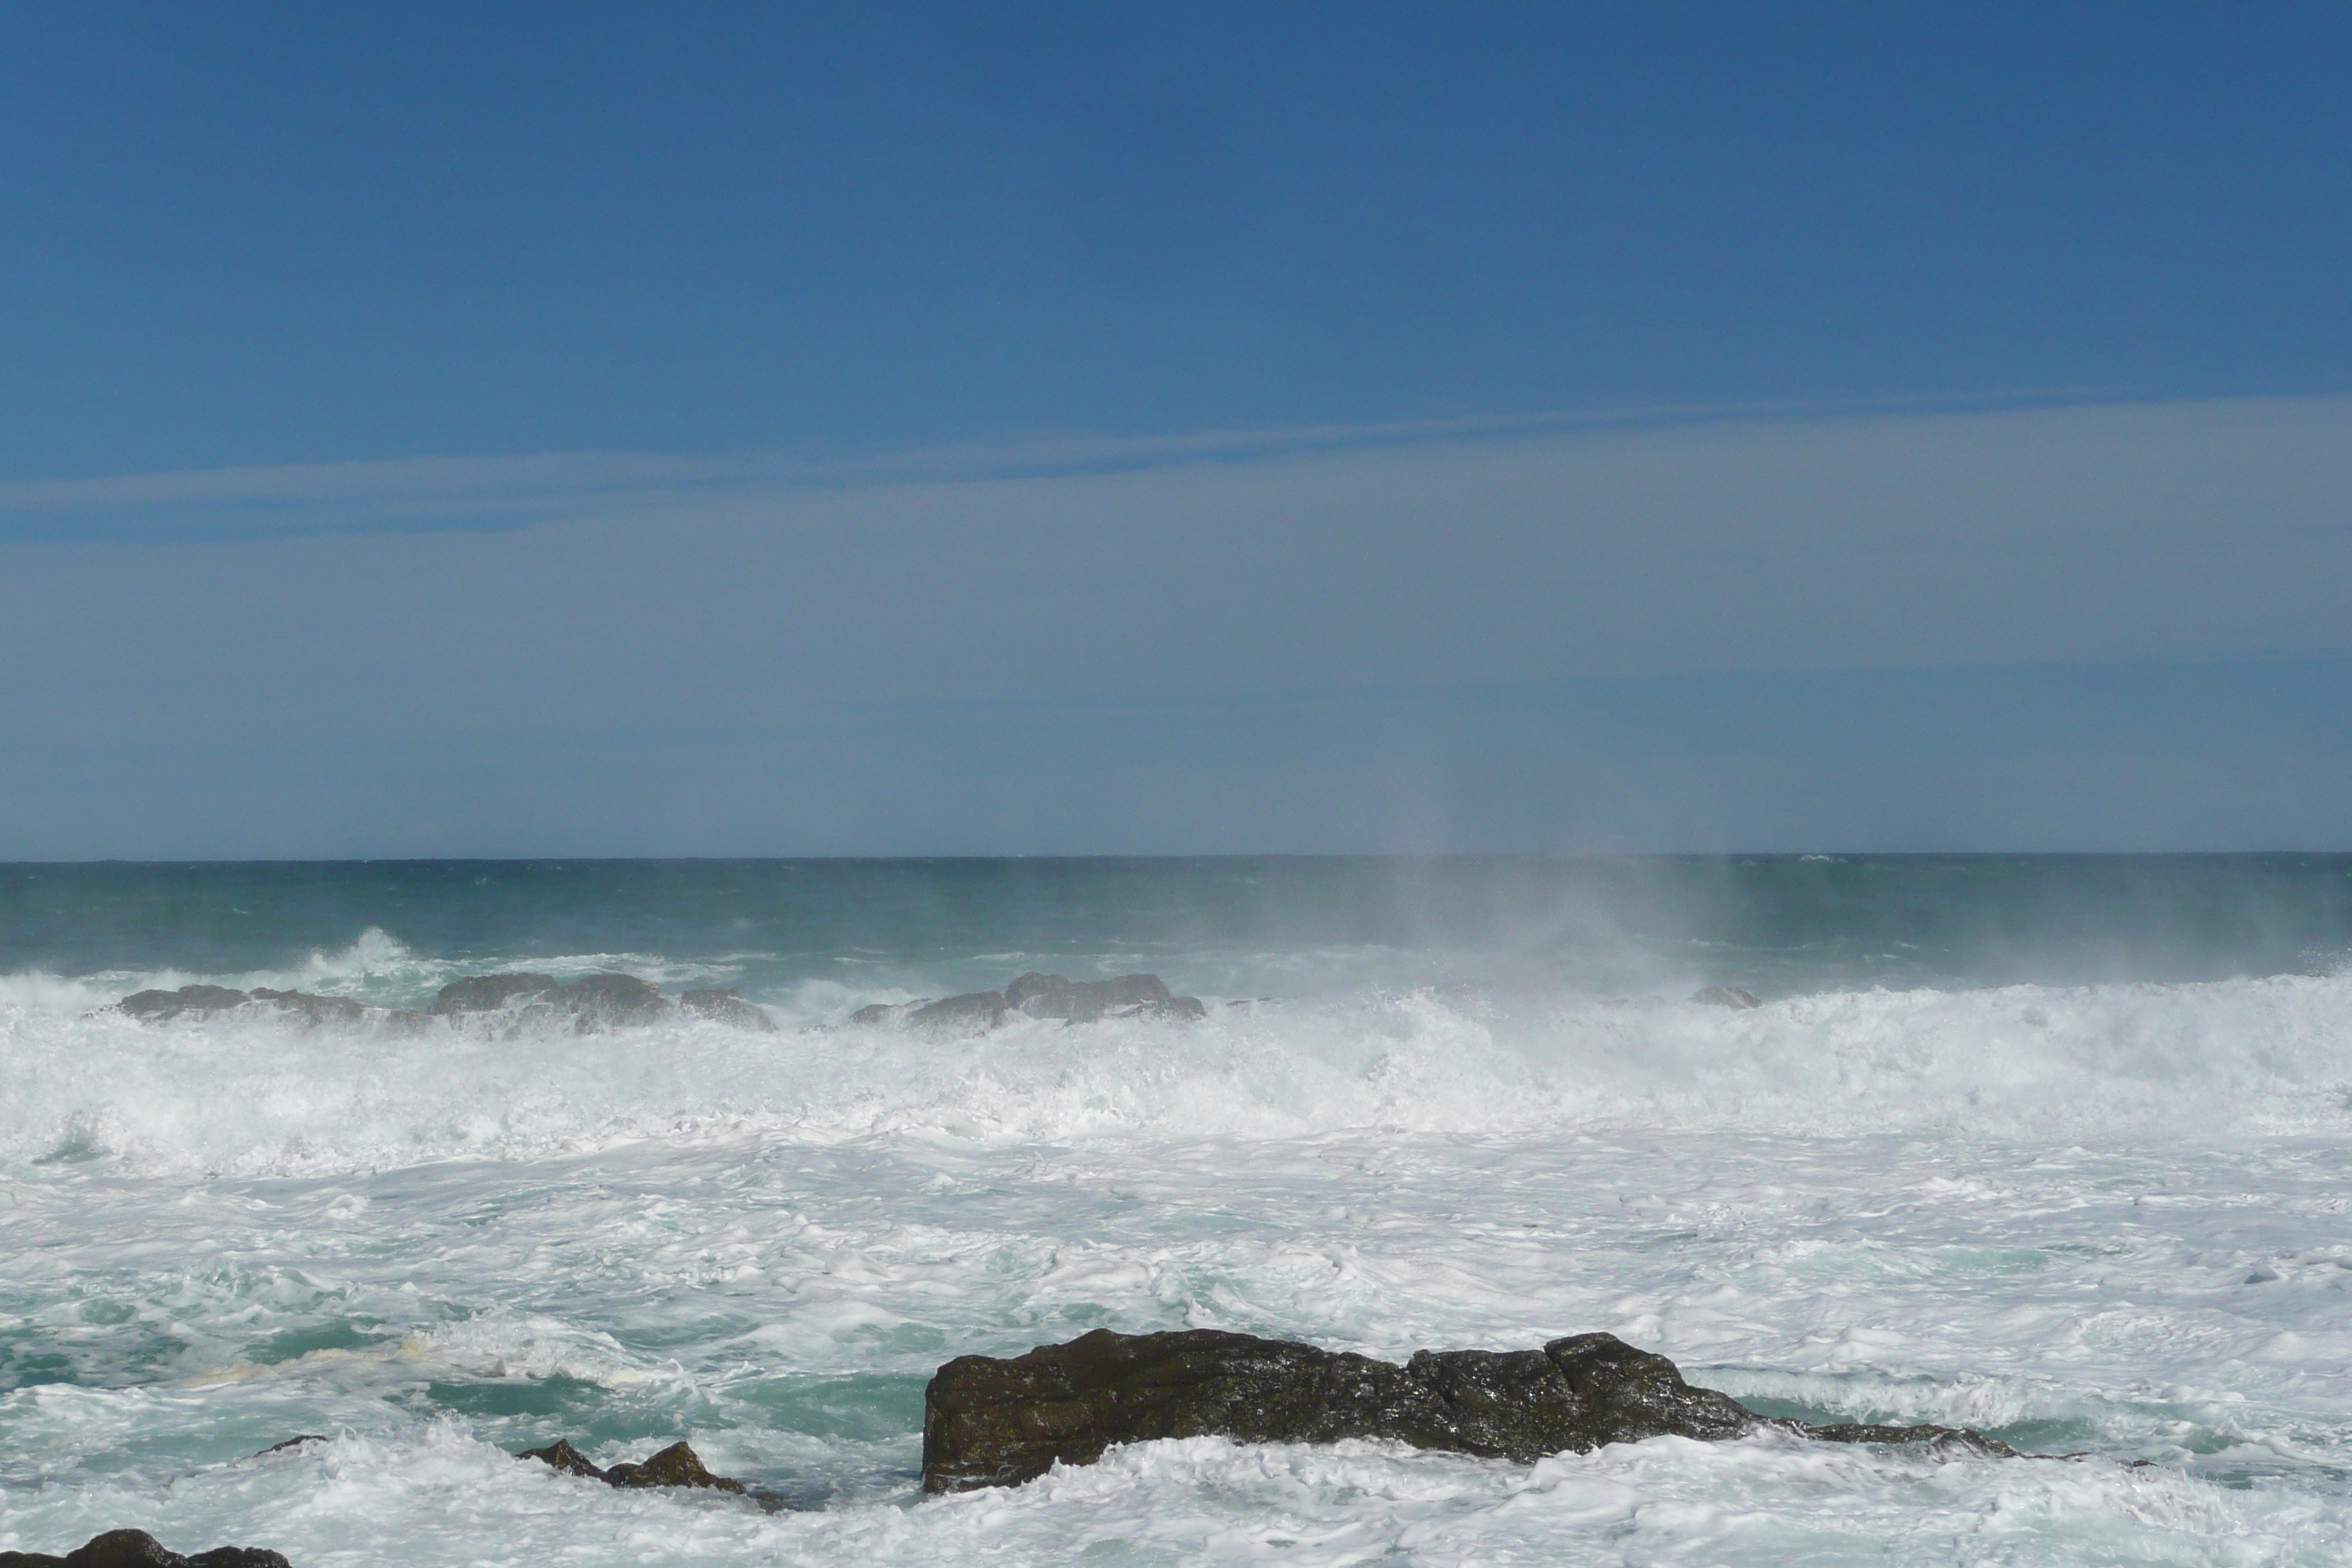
(254, 1094)
(2105, 1219)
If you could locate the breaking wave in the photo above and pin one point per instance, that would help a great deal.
(238, 1093)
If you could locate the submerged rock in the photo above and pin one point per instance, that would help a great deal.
(137, 1549)
(1727, 996)
(1085, 1001)
(727, 1008)
(676, 1466)
(1001, 1422)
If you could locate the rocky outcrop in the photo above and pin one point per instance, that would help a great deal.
(991, 1422)
(1727, 996)
(298, 1006)
(187, 1002)
(506, 1004)
(676, 1466)
(137, 1549)
(487, 993)
(965, 1014)
(589, 1005)
(316, 1011)
(1084, 1001)
(727, 1007)
(1038, 997)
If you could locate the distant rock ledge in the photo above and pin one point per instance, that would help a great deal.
(1039, 997)
(503, 1003)
(137, 1549)
(997, 1423)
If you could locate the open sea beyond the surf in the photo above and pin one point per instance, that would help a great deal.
(2055, 1147)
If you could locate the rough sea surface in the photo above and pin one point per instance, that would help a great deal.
(2059, 1149)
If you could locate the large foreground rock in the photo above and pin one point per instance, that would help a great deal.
(137, 1549)
(988, 1422)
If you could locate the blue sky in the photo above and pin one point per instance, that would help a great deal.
(936, 428)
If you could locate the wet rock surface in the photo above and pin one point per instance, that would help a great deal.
(137, 1549)
(1000, 1422)
(676, 1466)
(1727, 996)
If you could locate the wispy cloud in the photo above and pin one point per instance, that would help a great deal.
(477, 493)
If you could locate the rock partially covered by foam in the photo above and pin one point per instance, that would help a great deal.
(990, 1422)
(676, 1466)
(137, 1549)
(187, 1002)
(727, 1007)
(1038, 997)
(298, 1006)
(965, 1014)
(586, 1006)
(1084, 1001)
(1725, 996)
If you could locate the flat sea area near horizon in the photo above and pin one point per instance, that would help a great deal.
(2058, 1148)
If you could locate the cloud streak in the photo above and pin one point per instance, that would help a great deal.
(970, 647)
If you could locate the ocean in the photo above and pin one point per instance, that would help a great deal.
(2052, 1147)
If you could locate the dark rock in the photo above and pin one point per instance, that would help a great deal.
(727, 1007)
(190, 1001)
(1085, 1001)
(291, 1443)
(1727, 996)
(676, 1466)
(487, 993)
(137, 1549)
(606, 1002)
(968, 1014)
(875, 1014)
(587, 1006)
(991, 1422)
(316, 1010)
(565, 1458)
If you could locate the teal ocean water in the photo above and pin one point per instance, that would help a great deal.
(2052, 1146)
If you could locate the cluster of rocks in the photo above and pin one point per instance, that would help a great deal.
(676, 1466)
(1039, 997)
(506, 1004)
(137, 1549)
(991, 1422)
